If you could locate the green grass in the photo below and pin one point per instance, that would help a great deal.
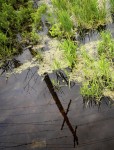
(64, 26)
(65, 21)
(97, 78)
(69, 49)
(18, 18)
(81, 14)
(106, 45)
(99, 71)
(95, 72)
(112, 6)
(88, 14)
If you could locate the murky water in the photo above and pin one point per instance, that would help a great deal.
(31, 116)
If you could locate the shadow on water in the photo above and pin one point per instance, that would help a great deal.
(87, 35)
(32, 75)
(9, 65)
(61, 108)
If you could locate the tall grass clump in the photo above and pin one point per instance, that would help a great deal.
(95, 72)
(71, 15)
(98, 76)
(89, 14)
(62, 19)
(99, 72)
(69, 48)
(106, 45)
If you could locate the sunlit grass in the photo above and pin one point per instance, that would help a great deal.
(81, 14)
(69, 49)
(106, 45)
(88, 14)
(96, 73)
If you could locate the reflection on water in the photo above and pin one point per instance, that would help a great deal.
(9, 65)
(86, 36)
(31, 113)
(61, 109)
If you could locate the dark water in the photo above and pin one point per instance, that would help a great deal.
(31, 117)
(94, 35)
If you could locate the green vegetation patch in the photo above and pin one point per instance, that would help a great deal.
(112, 6)
(19, 24)
(70, 15)
(91, 65)
(96, 72)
